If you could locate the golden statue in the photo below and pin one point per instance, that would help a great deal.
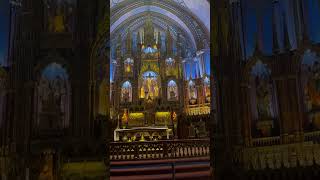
(47, 169)
(59, 21)
(149, 87)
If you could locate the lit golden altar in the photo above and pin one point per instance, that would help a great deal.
(142, 134)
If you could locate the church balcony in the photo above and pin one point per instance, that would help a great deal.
(280, 152)
(267, 141)
(302, 154)
(312, 136)
(163, 149)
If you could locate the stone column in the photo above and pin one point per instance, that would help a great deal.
(246, 114)
(227, 70)
(285, 71)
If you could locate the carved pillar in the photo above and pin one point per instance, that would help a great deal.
(246, 114)
(285, 72)
(227, 71)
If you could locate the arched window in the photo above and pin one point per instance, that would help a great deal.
(128, 65)
(311, 89)
(126, 92)
(59, 15)
(193, 94)
(172, 91)
(207, 94)
(262, 96)
(53, 98)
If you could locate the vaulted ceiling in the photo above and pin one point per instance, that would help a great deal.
(189, 18)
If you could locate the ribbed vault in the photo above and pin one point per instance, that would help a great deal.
(173, 12)
(160, 21)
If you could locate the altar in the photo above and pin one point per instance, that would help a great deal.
(148, 133)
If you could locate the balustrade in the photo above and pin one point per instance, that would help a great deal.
(267, 141)
(312, 136)
(159, 149)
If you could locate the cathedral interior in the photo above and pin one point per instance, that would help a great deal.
(159, 89)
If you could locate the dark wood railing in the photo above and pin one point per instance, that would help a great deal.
(120, 151)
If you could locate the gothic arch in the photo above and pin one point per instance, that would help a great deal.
(309, 79)
(137, 20)
(262, 100)
(52, 98)
(192, 22)
(246, 70)
(53, 57)
(172, 90)
(126, 91)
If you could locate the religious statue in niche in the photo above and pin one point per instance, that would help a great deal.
(192, 93)
(60, 14)
(263, 98)
(128, 65)
(126, 92)
(263, 95)
(207, 90)
(149, 89)
(46, 172)
(312, 89)
(172, 91)
(170, 67)
(53, 99)
(312, 95)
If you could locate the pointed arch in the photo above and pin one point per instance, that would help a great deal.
(310, 81)
(53, 98)
(263, 101)
(172, 91)
(126, 92)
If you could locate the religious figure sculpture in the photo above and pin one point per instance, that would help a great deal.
(312, 91)
(59, 15)
(172, 95)
(52, 103)
(47, 169)
(172, 91)
(150, 88)
(263, 98)
(125, 95)
(192, 93)
(312, 96)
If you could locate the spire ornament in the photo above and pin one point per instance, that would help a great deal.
(286, 40)
(275, 46)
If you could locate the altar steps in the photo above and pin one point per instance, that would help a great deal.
(187, 169)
